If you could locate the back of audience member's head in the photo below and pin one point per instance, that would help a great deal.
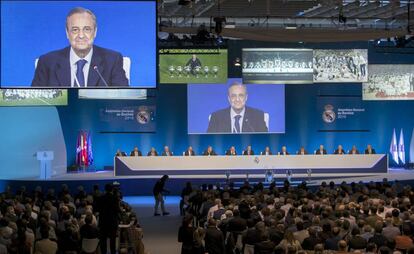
(391, 244)
(378, 227)
(299, 225)
(371, 247)
(88, 219)
(342, 245)
(318, 249)
(211, 222)
(384, 250)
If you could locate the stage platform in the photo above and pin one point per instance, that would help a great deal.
(241, 165)
(142, 184)
(348, 168)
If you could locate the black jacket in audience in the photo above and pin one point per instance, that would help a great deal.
(214, 240)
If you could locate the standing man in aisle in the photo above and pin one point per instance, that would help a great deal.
(158, 192)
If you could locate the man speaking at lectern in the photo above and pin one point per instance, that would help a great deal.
(238, 118)
(82, 64)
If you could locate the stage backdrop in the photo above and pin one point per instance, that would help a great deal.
(304, 121)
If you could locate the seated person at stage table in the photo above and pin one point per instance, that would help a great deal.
(321, 150)
(120, 153)
(209, 151)
(339, 150)
(354, 150)
(266, 151)
(231, 151)
(152, 152)
(167, 151)
(237, 118)
(369, 150)
(189, 151)
(302, 151)
(135, 152)
(81, 64)
(248, 151)
(283, 151)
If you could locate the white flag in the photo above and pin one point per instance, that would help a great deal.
(412, 148)
(393, 147)
(401, 148)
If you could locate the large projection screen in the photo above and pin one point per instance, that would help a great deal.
(389, 82)
(211, 108)
(277, 66)
(340, 65)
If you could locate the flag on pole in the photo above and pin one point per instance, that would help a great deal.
(84, 155)
(393, 147)
(401, 148)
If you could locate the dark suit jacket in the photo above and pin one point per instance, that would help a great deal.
(245, 152)
(206, 153)
(149, 153)
(132, 153)
(228, 152)
(281, 153)
(214, 240)
(372, 151)
(319, 151)
(122, 154)
(165, 154)
(337, 152)
(306, 152)
(253, 121)
(109, 210)
(53, 69)
(356, 152)
(186, 153)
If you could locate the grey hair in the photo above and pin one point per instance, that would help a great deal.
(80, 10)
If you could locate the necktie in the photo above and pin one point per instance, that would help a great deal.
(79, 72)
(237, 123)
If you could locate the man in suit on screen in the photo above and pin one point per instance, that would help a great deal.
(238, 118)
(82, 64)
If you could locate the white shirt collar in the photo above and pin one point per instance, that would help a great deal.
(73, 58)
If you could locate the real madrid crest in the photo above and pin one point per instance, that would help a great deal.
(328, 116)
(142, 116)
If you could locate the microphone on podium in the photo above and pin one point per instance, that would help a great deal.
(99, 74)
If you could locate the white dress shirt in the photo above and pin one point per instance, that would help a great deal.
(233, 120)
(73, 58)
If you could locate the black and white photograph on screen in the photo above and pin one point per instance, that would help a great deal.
(273, 65)
(33, 97)
(389, 82)
(344, 65)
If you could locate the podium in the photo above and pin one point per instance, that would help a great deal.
(45, 158)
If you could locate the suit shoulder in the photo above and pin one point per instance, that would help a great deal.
(254, 110)
(221, 112)
(55, 54)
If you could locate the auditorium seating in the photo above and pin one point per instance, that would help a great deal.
(356, 217)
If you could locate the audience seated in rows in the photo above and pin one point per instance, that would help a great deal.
(357, 217)
(48, 223)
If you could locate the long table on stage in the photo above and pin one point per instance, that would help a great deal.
(238, 165)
